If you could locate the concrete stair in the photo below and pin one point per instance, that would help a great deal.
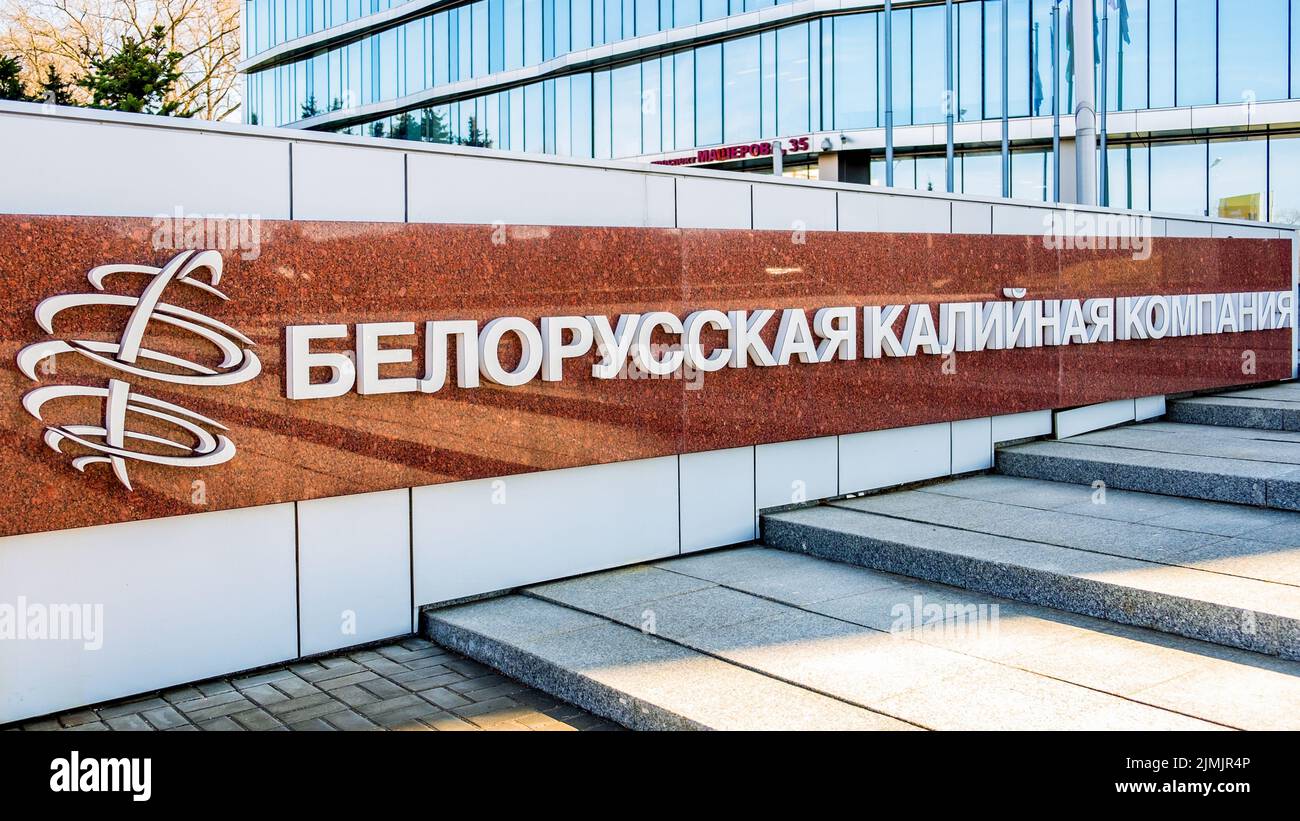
(1146, 577)
(757, 638)
(1220, 573)
(1276, 407)
(1228, 464)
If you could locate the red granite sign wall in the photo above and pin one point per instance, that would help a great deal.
(155, 382)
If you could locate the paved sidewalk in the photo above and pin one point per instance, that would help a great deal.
(411, 685)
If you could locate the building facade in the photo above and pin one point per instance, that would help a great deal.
(1198, 92)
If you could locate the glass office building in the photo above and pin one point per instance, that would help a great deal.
(1199, 93)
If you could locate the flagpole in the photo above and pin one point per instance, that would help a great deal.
(1056, 104)
(889, 93)
(950, 102)
(1105, 88)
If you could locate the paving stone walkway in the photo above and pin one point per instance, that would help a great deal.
(410, 685)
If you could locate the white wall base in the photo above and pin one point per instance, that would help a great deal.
(183, 598)
(1075, 421)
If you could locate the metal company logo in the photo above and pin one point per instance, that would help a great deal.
(112, 442)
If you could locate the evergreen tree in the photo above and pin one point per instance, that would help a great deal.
(54, 89)
(137, 78)
(476, 136)
(433, 127)
(309, 108)
(11, 85)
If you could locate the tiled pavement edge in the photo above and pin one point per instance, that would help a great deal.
(412, 684)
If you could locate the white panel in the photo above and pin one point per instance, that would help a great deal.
(452, 188)
(1093, 417)
(1219, 116)
(336, 182)
(1025, 425)
(491, 534)
(354, 569)
(71, 167)
(1186, 228)
(717, 493)
(881, 458)
(1148, 407)
(705, 203)
(885, 212)
(972, 445)
(1164, 119)
(972, 218)
(1221, 229)
(792, 208)
(1015, 219)
(791, 472)
(183, 598)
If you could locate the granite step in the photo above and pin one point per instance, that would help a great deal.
(1227, 464)
(1276, 407)
(761, 638)
(632, 677)
(1215, 572)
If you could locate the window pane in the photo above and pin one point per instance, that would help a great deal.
(767, 60)
(600, 115)
(1040, 45)
(684, 98)
(1127, 68)
(854, 67)
(1252, 50)
(1128, 171)
(970, 61)
(1178, 178)
(1238, 178)
(625, 102)
(580, 99)
(1017, 57)
(981, 174)
(740, 95)
(1284, 180)
(1195, 52)
(650, 106)
(930, 175)
(686, 12)
(902, 43)
(928, 41)
(993, 59)
(1161, 32)
(792, 80)
(708, 95)
(1030, 178)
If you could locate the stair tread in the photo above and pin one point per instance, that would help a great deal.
(1185, 581)
(632, 677)
(829, 630)
(1250, 467)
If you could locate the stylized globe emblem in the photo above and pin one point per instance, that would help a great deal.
(111, 442)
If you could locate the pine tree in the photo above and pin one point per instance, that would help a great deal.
(137, 78)
(475, 136)
(54, 89)
(11, 84)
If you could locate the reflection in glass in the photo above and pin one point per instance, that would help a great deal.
(1284, 179)
(1129, 175)
(740, 91)
(1238, 179)
(1178, 178)
(854, 70)
(1195, 52)
(1252, 50)
(708, 95)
